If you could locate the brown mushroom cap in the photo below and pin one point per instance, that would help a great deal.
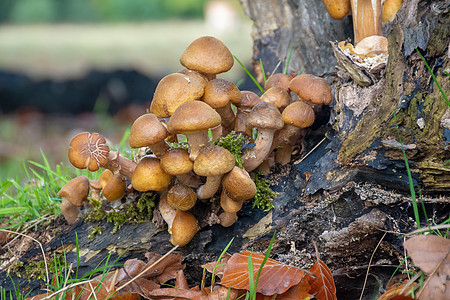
(213, 161)
(147, 130)
(175, 89)
(277, 96)
(88, 150)
(149, 176)
(113, 185)
(265, 115)
(176, 161)
(193, 116)
(248, 100)
(220, 93)
(207, 54)
(76, 190)
(181, 197)
(280, 80)
(390, 8)
(337, 9)
(238, 185)
(184, 228)
(298, 114)
(311, 88)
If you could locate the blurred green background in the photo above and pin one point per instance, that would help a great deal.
(58, 41)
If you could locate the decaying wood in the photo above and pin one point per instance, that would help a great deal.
(359, 187)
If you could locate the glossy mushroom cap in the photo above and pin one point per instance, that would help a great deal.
(147, 130)
(208, 55)
(88, 150)
(248, 100)
(238, 185)
(298, 114)
(113, 185)
(311, 88)
(337, 9)
(176, 161)
(279, 80)
(184, 228)
(76, 190)
(181, 197)
(175, 89)
(149, 176)
(277, 96)
(213, 161)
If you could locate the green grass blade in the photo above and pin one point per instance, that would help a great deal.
(411, 184)
(266, 257)
(7, 211)
(262, 70)
(250, 75)
(434, 78)
(251, 275)
(288, 60)
(218, 264)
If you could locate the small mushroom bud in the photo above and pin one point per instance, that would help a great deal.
(89, 150)
(149, 131)
(280, 80)
(176, 162)
(74, 194)
(113, 185)
(278, 97)
(149, 176)
(184, 228)
(181, 197)
(312, 89)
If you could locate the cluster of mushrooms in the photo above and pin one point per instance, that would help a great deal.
(195, 104)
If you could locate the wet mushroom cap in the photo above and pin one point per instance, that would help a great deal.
(76, 190)
(146, 130)
(238, 185)
(213, 161)
(181, 197)
(277, 96)
(390, 8)
(248, 100)
(298, 114)
(280, 80)
(265, 115)
(88, 150)
(311, 88)
(175, 89)
(176, 161)
(184, 228)
(149, 176)
(208, 55)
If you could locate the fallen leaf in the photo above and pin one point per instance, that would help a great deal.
(395, 293)
(275, 278)
(218, 293)
(220, 269)
(431, 254)
(297, 292)
(322, 286)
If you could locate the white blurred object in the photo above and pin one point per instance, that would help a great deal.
(221, 15)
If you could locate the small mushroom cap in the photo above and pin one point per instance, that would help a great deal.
(337, 9)
(147, 130)
(238, 185)
(95, 184)
(193, 116)
(227, 219)
(149, 176)
(311, 88)
(69, 211)
(213, 160)
(220, 92)
(298, 114)
(113, 185)
(88, 150)
(248, 100)
(277, 96)
(76, 190)
(390, 8)
(207, 54)
(176, 161)
(175, 89)
(280, 80)
(181, 197)
(184, 228)
(265, 115)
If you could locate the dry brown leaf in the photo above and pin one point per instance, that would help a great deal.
(395, 293)
(275, 278)
(431, 254)
(322, 286)
(220, 269)
(297, 292)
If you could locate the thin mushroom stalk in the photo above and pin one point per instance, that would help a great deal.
(367, 17)
(253, 157)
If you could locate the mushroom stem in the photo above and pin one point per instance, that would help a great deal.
(217, 132)
(228, 117)
(228, 204)
(167, 212)
(196, 141)
(69, 211)
(253, 157)
(159, 148)
(284, 154)
(227, 219)
(190, 179)
(367, 16)
(117, 163)
(210, 187)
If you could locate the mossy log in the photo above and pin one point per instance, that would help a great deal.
(351, 193)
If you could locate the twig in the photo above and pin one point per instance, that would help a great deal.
(310, 151)
(40, 245)
(370, 263)
(148, 268)
(30, 224)
(430, 276)
(66, 288)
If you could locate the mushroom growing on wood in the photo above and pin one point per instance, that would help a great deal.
(248, 100)
(149, 176)
(89, 150)
(367, 16)
(176, 162)
(278, 97)
(279, 80)
(312, 89)
(184, 228)
(181, 197)
(193, 119)
(148, 131)
(267, 119)
(212, 162)
(74, 194)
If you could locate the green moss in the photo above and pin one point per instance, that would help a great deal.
(133, 213)
(264, 194)
(233, 142)
(36, 270)
(94, 232)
